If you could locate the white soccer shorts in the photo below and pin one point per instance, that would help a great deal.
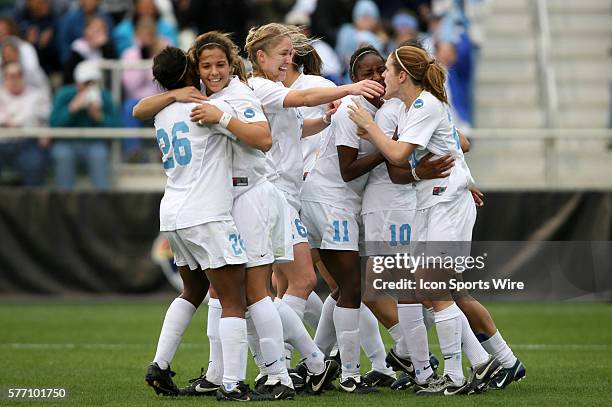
(331, 228)
(209, 245)
(262, 217)
(387, 232)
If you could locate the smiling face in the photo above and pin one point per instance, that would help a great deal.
(214, 69)
(391, 78)
(275, 61)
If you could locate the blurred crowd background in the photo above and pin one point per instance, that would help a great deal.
(49, 77)
(52, 75)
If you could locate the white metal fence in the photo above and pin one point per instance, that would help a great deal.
(500, 159)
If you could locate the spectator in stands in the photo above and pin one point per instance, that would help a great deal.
(38, 25)
(73, 25)
(85, 104)
(197, 16)
(94, 45)
(332, 67)
(123, 34)
(405, 28)
(360, 33)
(421, 9)
(34, 75)
(329, 16)
(26, 51)
(22, 106)
(138, 83)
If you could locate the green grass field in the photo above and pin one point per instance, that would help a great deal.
(98, 352)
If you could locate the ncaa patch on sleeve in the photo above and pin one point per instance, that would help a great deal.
(418, 103)
(249, 113)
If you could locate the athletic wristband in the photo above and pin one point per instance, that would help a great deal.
(225, 119)
(414, 175)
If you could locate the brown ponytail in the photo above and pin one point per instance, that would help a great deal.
(422, 70)
(305, 57)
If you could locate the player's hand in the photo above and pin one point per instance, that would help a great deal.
(367, 88)
(332, 108)
(431, 169)
(188, 94)
(478, 196)
(360, 116)
(206, 113)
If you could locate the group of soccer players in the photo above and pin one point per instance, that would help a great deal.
(271, 171)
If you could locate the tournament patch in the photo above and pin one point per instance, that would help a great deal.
(418, 103)
(240, 181)
(249, 113)
(438, 190)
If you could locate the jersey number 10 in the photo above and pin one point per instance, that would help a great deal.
(181, 147)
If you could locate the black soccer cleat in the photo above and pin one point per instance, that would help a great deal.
(298, 379)
(316, 383)
(199, 387)
(402, 383)
(242, 392)
(356, 386)
(506, 376)
(443, 386)
(161, 380)
(433, 362)
(400, 364)
(375, 378)
(483, 374)
(277, 391)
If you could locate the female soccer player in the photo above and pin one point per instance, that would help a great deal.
(259, 210)
(331, 204)
(270, 50)
(195, 217)
(445, 207)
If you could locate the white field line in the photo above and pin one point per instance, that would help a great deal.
(119, 346)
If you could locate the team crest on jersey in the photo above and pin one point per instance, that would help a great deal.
(418, 103)
(249, 113)
(438, 190)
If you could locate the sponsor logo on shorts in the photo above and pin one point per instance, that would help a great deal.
(438, 190)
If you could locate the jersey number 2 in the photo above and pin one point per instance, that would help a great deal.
(181, 147)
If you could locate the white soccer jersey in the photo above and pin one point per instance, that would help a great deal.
(249, 165)
(286, 125)
(311, 145)
(324, 183)
(380, 193)
(198, 163)
(428, 124)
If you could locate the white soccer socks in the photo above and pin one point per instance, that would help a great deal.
(296, 334)
(448, 326)
(314, 307)
(232, 332)
(411, 320)
(371, 341)
(497, 346)
(267, 323)
(214, 374)
(177, 319)
(325, 337)
(346, 321)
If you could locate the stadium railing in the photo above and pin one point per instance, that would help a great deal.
(500, 159)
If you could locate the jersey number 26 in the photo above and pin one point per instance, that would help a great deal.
(181, 147)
